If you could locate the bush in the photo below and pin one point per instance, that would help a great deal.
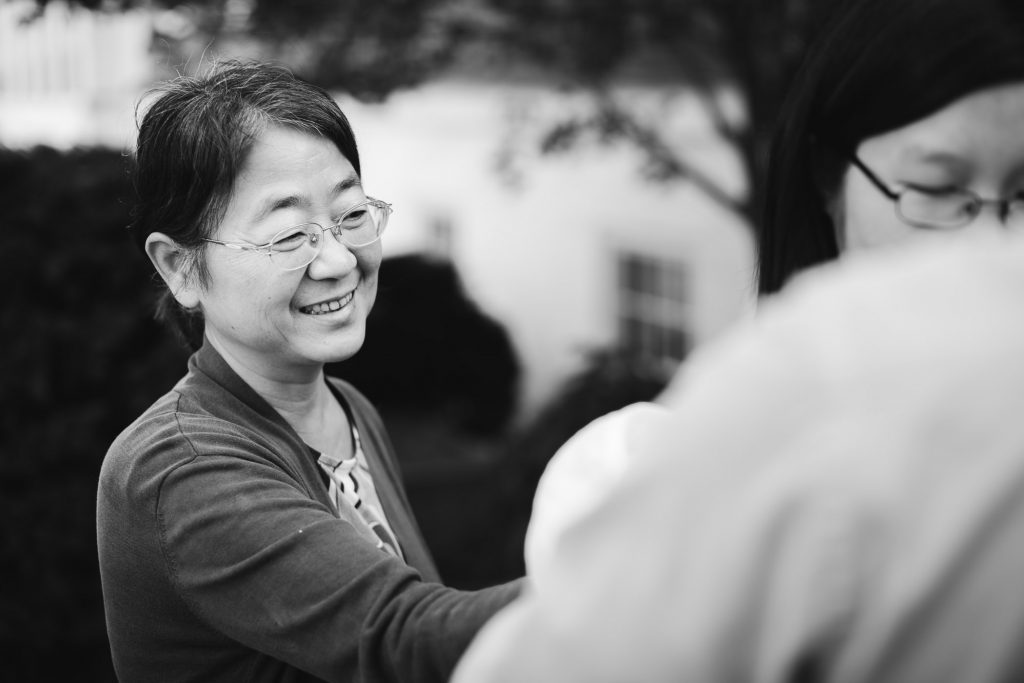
(612, 379)
(430, 350)
(82, 358)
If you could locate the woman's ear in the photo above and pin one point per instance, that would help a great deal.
(174, 263)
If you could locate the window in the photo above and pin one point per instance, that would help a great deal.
(652, 309)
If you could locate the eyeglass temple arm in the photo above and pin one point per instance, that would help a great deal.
(869, 174)
(239, 247)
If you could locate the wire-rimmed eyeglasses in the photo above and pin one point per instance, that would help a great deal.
(943, 209)
(297, 246)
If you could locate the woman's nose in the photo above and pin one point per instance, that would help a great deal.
(335, 258)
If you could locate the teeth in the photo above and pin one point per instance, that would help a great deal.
(327, 306)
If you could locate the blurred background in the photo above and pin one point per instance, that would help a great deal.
(575, 188)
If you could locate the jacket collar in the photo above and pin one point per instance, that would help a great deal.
(207, 363)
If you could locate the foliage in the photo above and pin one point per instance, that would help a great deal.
(612, 379)
(367, 48)
(430, 349)
(751, 46)
(82, 358)
(370, 48)
(473, 495)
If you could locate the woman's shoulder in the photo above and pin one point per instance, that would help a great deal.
(141, 455)
(186, 424)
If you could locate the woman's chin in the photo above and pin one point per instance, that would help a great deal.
(342, 349)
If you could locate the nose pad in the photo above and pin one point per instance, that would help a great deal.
(1003, 209)
(334, 258)
(990, 216)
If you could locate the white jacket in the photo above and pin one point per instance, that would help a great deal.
(835, 492)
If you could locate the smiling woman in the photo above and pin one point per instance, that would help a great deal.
(259, 305)
(252, 524)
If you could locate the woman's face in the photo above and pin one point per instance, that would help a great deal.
(976, 143)
(261, 315)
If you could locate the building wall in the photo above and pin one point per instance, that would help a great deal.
(70, 76)
(541, 253)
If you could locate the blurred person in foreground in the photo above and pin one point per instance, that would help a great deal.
(903, 126)
(836, 493)
(856, 422)
(252, 523)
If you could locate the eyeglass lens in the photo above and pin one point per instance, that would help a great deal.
(942, 210)
(298, 246)
(952, 210)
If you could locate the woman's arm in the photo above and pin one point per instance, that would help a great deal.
(258, 560)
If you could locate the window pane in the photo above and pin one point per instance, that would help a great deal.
(652, 308)
(631, 274)
(632, 335)
(649, 277)
(655, 341)
(674, 283)
(676, 344)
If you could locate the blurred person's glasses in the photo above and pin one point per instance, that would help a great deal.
(944, 209)
(298, 246)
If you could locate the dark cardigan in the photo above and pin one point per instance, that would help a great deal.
(222, 558)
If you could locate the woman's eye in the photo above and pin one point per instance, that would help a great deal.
(292, 240)
(935, 190)
(356, 217)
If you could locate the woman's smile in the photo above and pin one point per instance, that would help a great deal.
(317, 315)
(328, 305)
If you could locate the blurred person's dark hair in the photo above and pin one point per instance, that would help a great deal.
(194, 138)
(875, 66)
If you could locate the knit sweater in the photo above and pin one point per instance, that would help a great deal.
(223, 559)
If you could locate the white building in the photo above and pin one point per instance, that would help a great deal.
(70, 76)
(582, 252)
(570, 252)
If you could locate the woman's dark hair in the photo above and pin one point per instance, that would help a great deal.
(876, 65)
(193, 139)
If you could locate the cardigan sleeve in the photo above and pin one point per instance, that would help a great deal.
(258, 560)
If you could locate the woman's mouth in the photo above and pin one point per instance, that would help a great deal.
(329, 306)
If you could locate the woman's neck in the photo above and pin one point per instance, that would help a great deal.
(300, 395)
